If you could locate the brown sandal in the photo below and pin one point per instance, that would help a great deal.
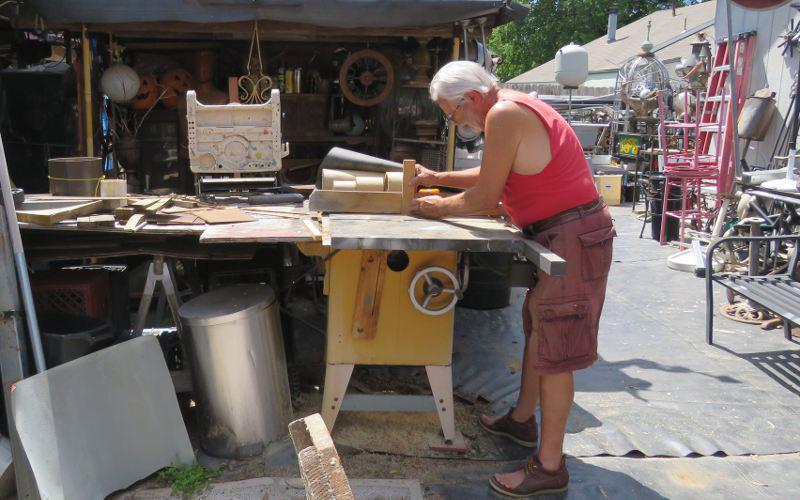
(537, 480)
(523, 433)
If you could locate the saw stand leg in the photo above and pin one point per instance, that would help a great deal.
(441, 380)
(336, 379)
(158, 272)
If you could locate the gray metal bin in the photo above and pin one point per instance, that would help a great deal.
(234, 341)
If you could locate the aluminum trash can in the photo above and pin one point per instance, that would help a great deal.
(234, 341)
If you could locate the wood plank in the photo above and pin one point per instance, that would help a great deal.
(260, 231)
(124, 213)
(51, 216)
(184, 203)
(357, 202)
(320, 465)
(223, 216)
(158, 205)
(326, 231)
(141, 205)
(313, 228)
(368, 294)
(136, 222)
(93, 221)
(409, 171)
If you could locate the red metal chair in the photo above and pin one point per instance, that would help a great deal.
(687, 169)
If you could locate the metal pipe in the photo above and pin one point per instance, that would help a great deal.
(19, 259)
(734, 105)
(86, 62)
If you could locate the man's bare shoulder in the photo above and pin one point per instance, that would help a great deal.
(506, 113)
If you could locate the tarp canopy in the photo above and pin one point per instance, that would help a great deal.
(323, 13)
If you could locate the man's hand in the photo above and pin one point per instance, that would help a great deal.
(431, 207)
(424, 177)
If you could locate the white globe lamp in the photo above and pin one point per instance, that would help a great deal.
(120, 83)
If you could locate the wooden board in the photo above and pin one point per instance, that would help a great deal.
(355, 202)
(136, 222)
(260, 231)
(93, 221)
(50, 212)
(141, 205)
(223, 215)
(409, 170)
(368, 294)
(158, 205)
(320, 466)
(124, 213)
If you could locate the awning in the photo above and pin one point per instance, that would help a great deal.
(323, 13)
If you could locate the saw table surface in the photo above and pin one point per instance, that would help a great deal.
(401, 232)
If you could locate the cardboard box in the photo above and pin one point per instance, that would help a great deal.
(610, 188)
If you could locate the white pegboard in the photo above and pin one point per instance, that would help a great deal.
(235, 138)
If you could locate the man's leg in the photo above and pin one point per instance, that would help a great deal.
(557, 393)
(528, 391)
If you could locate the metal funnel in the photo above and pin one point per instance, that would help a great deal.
(344, 159)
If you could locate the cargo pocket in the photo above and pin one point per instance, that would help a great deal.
(596, 251)
(565, 330)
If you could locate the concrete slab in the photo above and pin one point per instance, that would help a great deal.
(288, 489)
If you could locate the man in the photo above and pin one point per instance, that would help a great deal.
(534, 163)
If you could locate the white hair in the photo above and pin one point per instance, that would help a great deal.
(456, 78)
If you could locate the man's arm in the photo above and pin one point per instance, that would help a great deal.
(462, 179)
(504, 125)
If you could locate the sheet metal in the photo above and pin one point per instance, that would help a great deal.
(326, 13)
(657, 388)
(98, 424)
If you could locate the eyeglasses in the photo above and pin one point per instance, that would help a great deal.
(450, 117)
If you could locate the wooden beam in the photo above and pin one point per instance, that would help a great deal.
(124, 213)
(320, 465)
(451, 127)
(409, 171)
(50, 216)
(136, 222)
(86, 64)
(355, 202)
(368, 293)
(158, 205)
(93, 221)
(544, 259)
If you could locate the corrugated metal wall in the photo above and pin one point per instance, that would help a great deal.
(770, 67)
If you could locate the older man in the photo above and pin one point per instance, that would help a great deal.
(534, 164)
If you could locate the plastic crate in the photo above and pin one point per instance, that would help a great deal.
(79, 292)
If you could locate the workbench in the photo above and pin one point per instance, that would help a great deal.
(389, 329)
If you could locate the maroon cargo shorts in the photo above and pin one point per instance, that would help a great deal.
(561, 314)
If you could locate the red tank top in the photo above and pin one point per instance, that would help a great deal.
(565, 182)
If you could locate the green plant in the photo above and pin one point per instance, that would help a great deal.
(189, 479)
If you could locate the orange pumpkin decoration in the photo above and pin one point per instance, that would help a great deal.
(148, 93)
(169, 98)
(178, 78)
(173, 82)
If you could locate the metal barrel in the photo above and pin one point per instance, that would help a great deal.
(233, 337)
